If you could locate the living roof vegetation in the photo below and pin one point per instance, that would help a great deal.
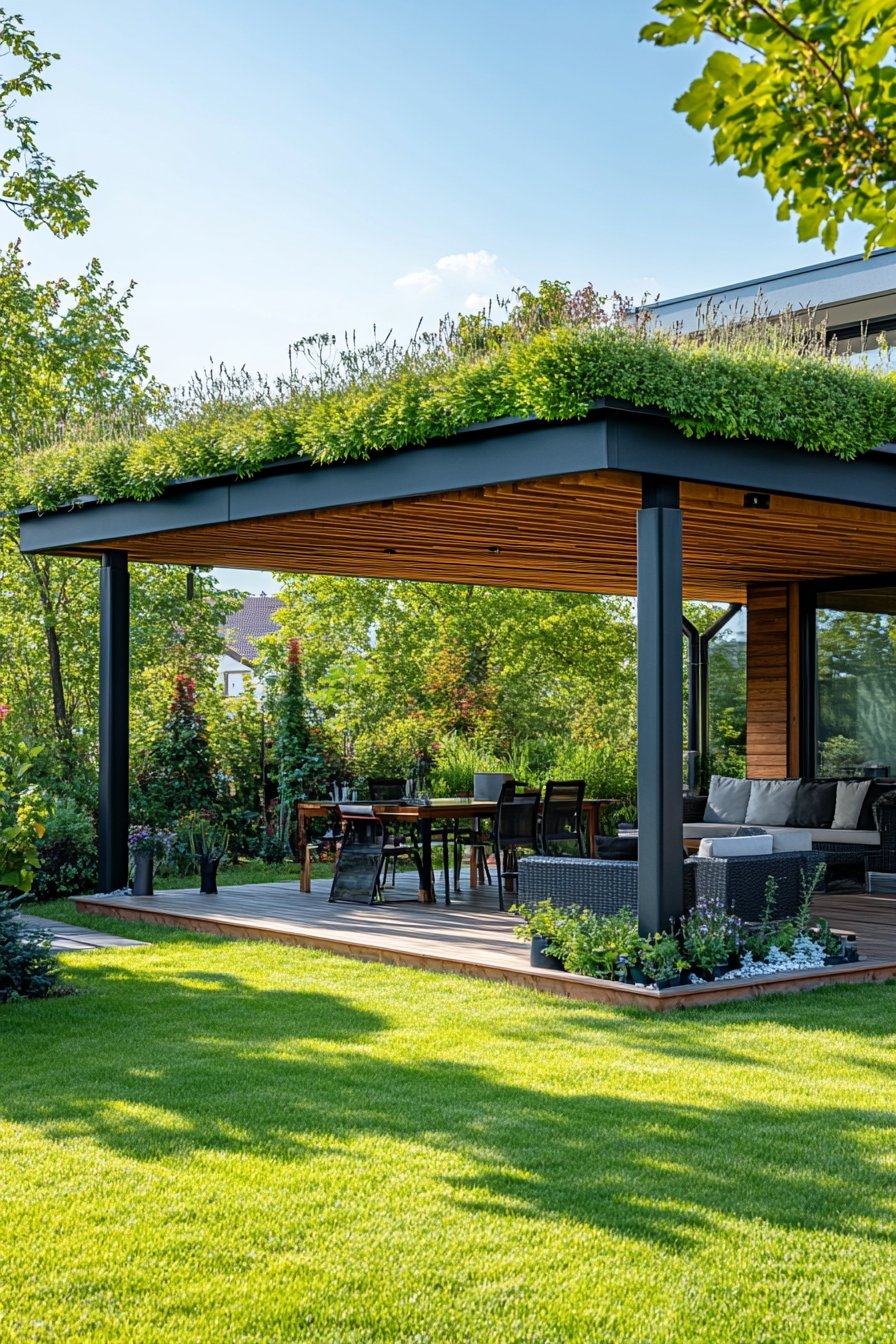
(551, 356)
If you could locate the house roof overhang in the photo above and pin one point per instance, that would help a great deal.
(516, 503)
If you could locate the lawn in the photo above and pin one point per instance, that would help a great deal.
(225, 1141)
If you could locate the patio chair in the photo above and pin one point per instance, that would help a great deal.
(363, 856)
(393, 791)
(516, 828)
(561, 817)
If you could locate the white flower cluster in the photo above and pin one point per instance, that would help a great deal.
(806, 956)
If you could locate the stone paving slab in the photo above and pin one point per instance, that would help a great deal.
(73, 938)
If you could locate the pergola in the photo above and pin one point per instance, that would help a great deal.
(620, 502)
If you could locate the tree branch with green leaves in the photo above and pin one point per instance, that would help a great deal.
(811, 109)
(30, 186)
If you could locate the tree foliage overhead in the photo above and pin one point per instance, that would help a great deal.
(810, 108)
(30, 185)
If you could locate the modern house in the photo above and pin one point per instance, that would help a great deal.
(619, 501)
(254, 619)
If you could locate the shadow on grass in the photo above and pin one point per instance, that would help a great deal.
(166, 1065)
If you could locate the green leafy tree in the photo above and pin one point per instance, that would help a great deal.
(810, 107)
(398, 669)
(297, 757)
(23, 810)
(179, 775)
(30, 186)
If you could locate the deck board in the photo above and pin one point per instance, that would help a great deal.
(472, 936)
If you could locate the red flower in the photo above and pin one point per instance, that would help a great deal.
(4, 710)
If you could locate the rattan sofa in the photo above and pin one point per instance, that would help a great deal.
(875, 848)
(607, 886)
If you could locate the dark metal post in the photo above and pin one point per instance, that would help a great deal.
(114, 725)
(696, 703)
(660, 708)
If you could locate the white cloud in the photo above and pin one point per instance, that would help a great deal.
(467, 264)
(422, 281)
(474, 303)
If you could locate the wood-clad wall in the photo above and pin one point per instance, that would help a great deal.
(772, 680)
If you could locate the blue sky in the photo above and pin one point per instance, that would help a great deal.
(272, 170)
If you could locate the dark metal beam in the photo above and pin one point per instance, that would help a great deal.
(660, 871)
(524, 451)
(114, 725)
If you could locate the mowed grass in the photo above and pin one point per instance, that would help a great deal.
(240, 1141)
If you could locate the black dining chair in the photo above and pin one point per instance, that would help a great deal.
(364, 854)
(387, 790)
(516, 828)
(561, 816)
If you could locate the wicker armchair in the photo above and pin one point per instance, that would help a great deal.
(693, 807)
(741, 882)
(883, 858)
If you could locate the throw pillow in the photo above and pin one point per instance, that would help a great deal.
(727, 800)
(850, 797)
(771, 801)
(814, 804)
(791, 842)
(617, 847)
(734, 846)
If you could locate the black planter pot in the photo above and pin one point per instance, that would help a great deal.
(671, 982)
(834, 961)
(142, 875)
(208, 874)
(539, 957)
(637, 976)
(721, 969)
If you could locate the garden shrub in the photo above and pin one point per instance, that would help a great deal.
(178, 777)
(28, 969)
(67, 853)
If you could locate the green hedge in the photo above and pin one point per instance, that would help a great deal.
(758, 390)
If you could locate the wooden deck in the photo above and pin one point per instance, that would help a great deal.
(473, 938)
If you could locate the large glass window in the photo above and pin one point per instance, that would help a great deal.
(727, 677)
(855, 710)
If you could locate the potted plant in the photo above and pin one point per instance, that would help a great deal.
(146, 846)
(594, 944)
(709, 935)
(208, 843)
(142, 846)
(546, 926)
(831, 943)
(661, 961)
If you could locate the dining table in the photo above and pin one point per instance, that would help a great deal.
(421, 813)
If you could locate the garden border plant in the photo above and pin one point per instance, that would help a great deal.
(708, 944)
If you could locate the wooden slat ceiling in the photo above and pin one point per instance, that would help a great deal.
(573, 532)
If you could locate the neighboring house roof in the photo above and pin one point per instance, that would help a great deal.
(254, 619)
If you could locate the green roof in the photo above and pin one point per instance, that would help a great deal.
(770, 386)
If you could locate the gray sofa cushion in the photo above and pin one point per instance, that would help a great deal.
(850, 797)
(771, 801)
(728, 799)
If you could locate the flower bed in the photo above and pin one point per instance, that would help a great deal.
(707, 944)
